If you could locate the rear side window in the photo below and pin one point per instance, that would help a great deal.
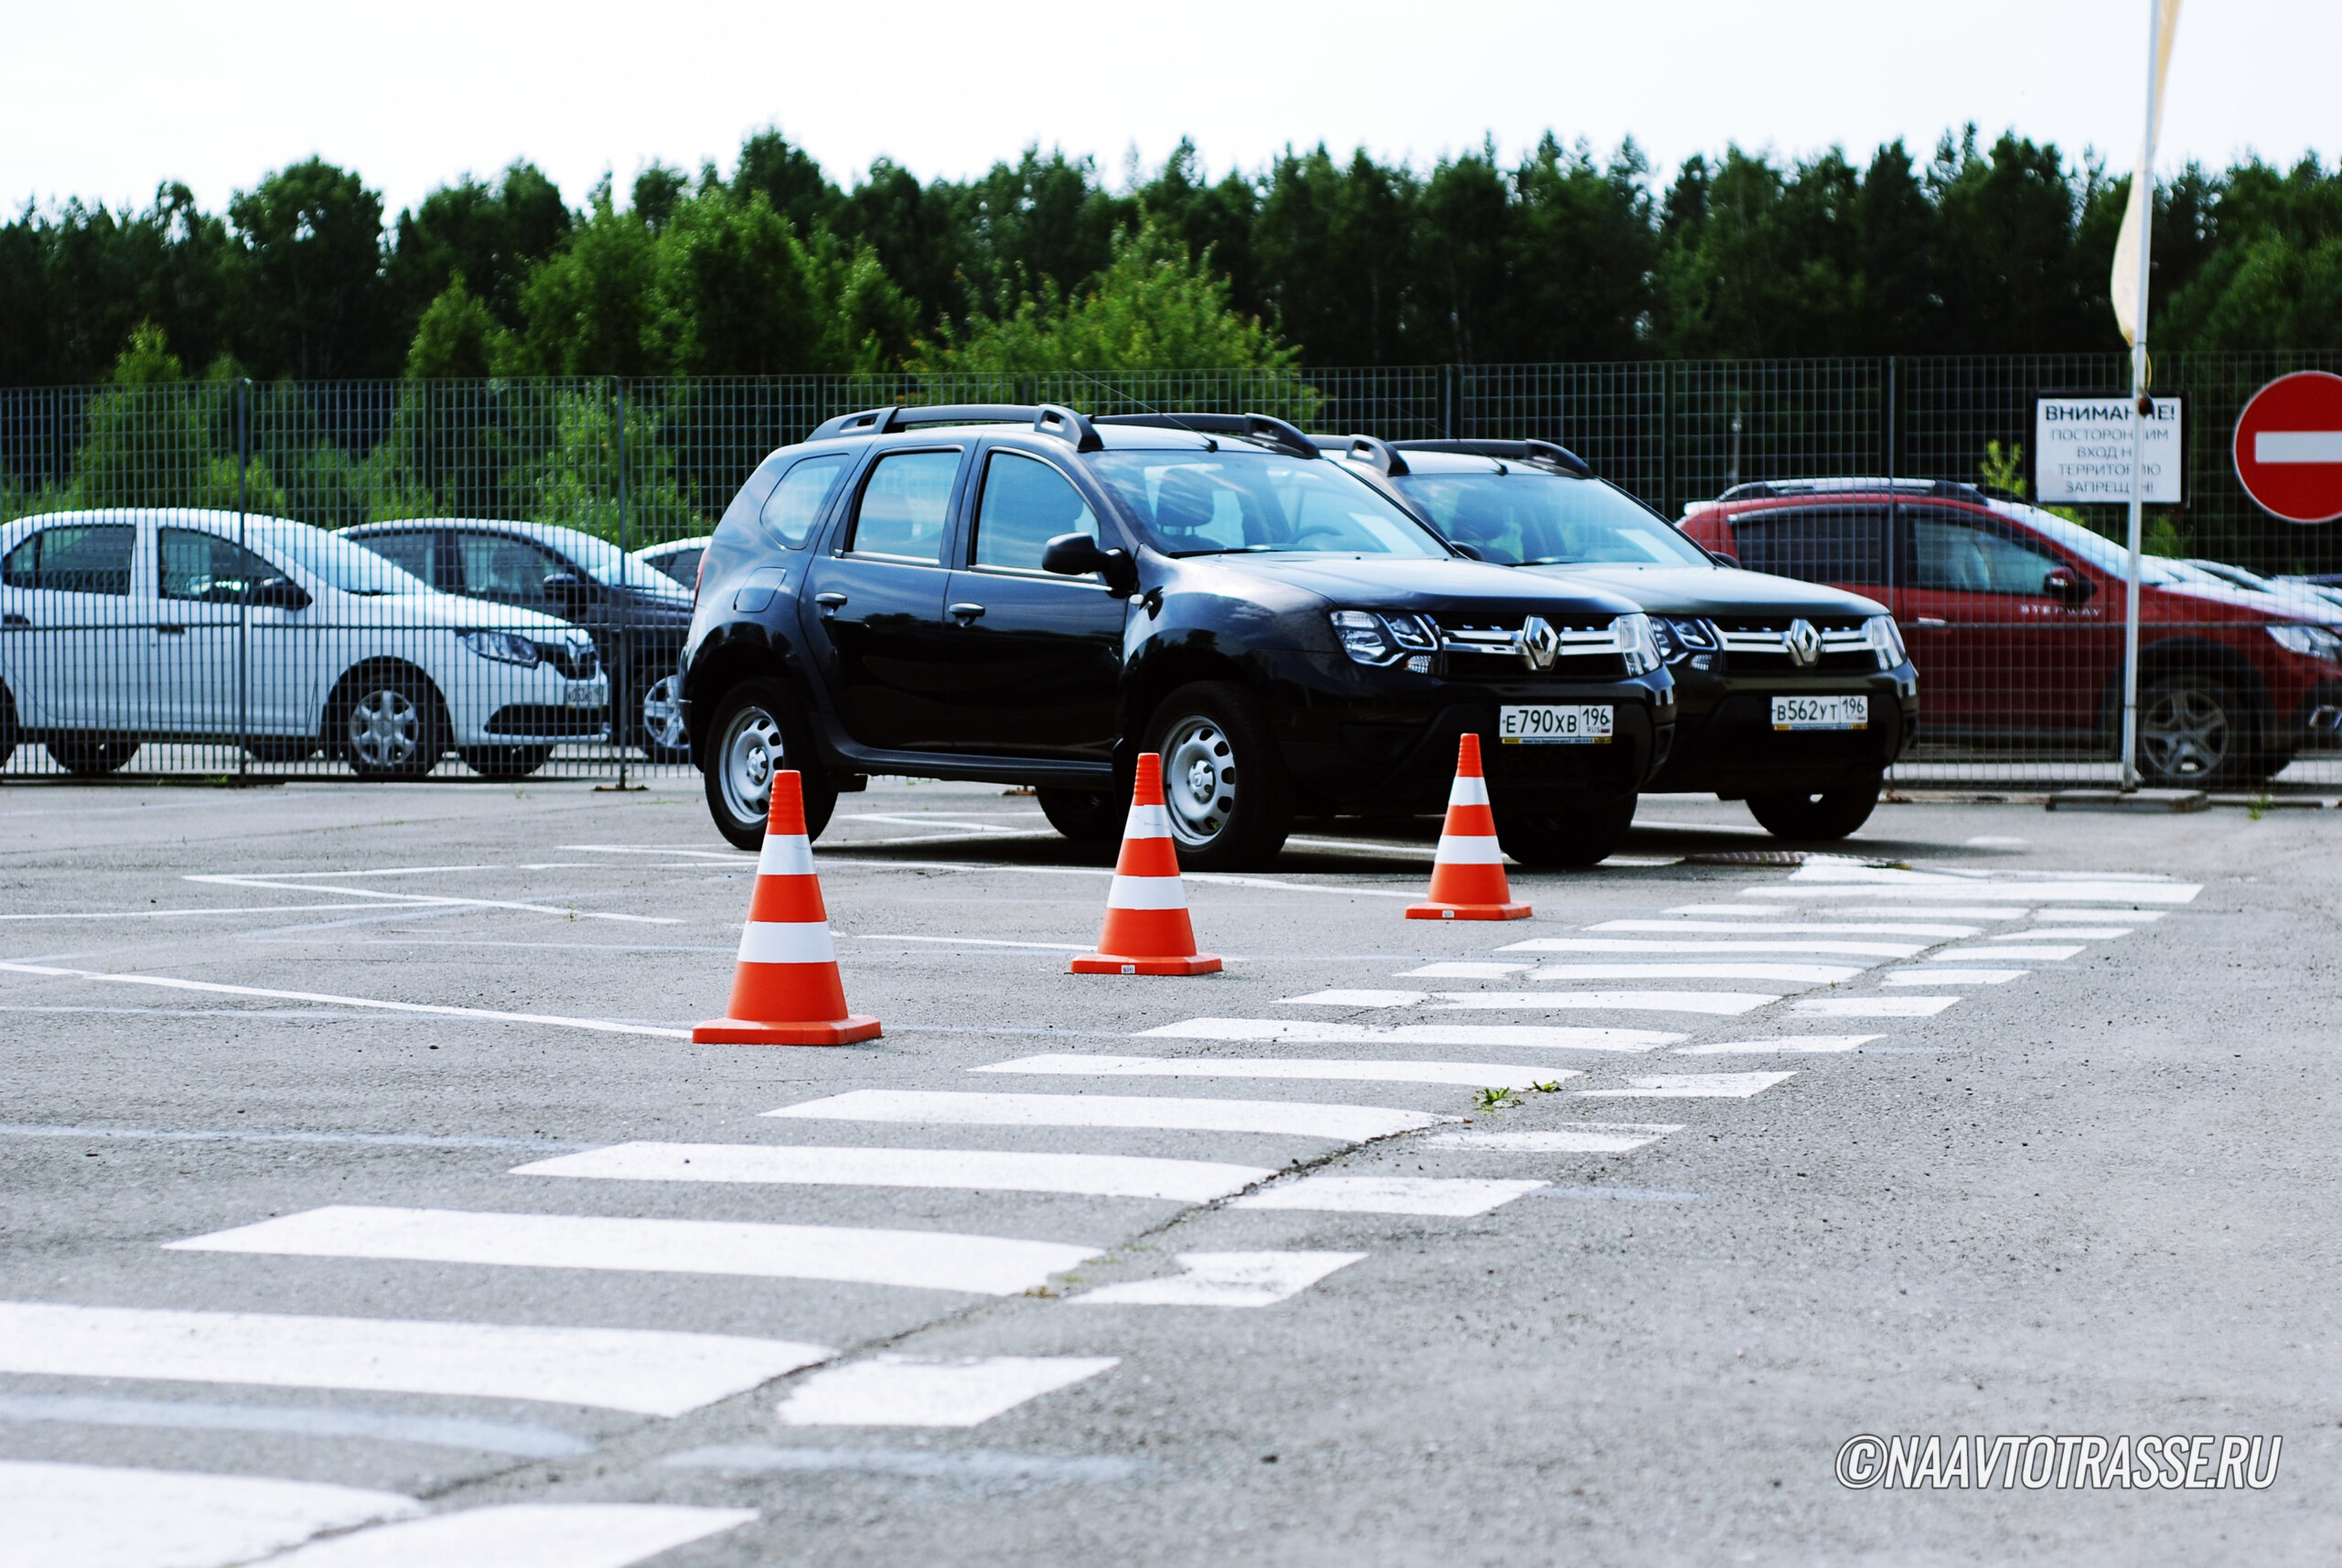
(681, 564)
(1027, 503)
(795, 505)
(905, 505)
(409, 550)
(498, 566)
(209, 569)
(1823, 544)
(73, 558)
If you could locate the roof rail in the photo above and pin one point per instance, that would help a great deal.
(1553, 455)
(1762, 489)
(1545, 453)
(894, 420)
(1376, 455)
(1054, 419)
(1267, 430)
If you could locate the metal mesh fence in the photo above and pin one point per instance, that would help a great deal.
(181, 594)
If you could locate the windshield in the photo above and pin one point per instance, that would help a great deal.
(1219, 503)
(1524, 518)
(336, 561)
(2101, 551)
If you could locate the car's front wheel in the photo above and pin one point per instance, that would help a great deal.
(760, 731)
(2194, 733)
(92, 757)
(1818, 814)
(387, 724)
(1229, 801)
(1550, 838)
(505, 761)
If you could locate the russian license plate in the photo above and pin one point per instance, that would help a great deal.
(587, 693)
(1554, 723)
(1821, 713)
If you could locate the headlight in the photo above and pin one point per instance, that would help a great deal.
(2310, 642)
(1884, 640)
(1632, 635)
(1372, 639)
(505, 647)
(1680, 638)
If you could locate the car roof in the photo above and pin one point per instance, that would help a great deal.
(208, 517)
(552, 533)
(675, 546)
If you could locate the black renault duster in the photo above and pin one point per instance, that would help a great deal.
(1021, 595)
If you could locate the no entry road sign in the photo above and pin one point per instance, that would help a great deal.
(2289, 446)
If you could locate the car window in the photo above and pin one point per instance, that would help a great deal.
(795, 506)
(681, 564)
(208, 568)
(905, 505)
(1960, 557)
(73, 558)
(1823, 544)
(1212, 503)
(498, 566)
(1526, 517)
(1027, 503)
(409, 552)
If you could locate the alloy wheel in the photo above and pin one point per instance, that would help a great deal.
(662, 715)
(385, 730)
(2185, 732)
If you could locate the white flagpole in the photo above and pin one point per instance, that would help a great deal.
(2142, 405)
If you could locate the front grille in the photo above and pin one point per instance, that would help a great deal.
(1480, 649)
(578, 661)
(1757, 646)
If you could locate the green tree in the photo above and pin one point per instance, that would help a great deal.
(319, 304)
(458, 337)
(488, 236)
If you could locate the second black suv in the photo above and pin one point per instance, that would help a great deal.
(1024, 595)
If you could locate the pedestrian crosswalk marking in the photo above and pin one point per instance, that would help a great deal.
(2054, 933)
(1317, 1032)
(1353, 999)
(1874, 1007)
(1932, 976)
(1463, 970)
(1786, 1045)
(2003, 954)
(1792, 973)
(1459, 1075)
(1455, 1197)
(1851, 929)
(641, 1370)
(2128, 917)
(975, 1170)
(1692, 1086)
(2024, 892)
(97, 1516)
(1700, 949)
(1225, 1279)
(523, 1535)
(1721, 1003)
(1573, 1138)
(1343, 1124)
(919, 1260)
(910, 1391)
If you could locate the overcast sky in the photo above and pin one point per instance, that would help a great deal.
(105, 100)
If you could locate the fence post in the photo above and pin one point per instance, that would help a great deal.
(1666, 451)
(622, 688)
(1893, 513)
(243, 609)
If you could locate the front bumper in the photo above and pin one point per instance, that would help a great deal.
(1725, 742)
(516, 706)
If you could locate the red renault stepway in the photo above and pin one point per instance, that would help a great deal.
(2013, 618)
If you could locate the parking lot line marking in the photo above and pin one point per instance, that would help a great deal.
(981, 1466)
(432, 900)
(1955, 976)
(523, 1535)
(1354, 999)
(1418, 851)
(1874, 1007)
(1656, 945)
(1214, 878)
(1989, 954)
(1453, 1197)
(1786, 1045)
(966, 941)
(600, 1026)
(1463, 970)
(643, 1371)
(1920, 911)
(1457, 1075)
(1314, 1032)
(914, 1259)
(974, 1170)
(2108, 892)
(259, 1136)
(2128, 917)
(695, 850)
(187, 914)
(92, 1516)
(1882, 928)
(1343, 1124)
(387, 1426)
(1575, 1138)
(1225, 1279)
(1721, 1003)
(1693, 1086)
(907, 1391)
(1792, 973)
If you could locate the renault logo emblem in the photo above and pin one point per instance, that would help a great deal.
(1804, 644)
(1538, 643)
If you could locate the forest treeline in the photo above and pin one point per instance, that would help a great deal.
(774, 267)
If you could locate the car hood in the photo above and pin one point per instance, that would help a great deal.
(452, 610)
(2270, 606)
(1387, 583)
(1720, 592)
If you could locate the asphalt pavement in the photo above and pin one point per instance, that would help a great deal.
(366, 1201)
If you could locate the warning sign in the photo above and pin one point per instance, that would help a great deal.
(2081, 451)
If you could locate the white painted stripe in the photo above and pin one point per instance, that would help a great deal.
(1786, 1045)
(2128, 917)
(524, 1535)
(1469, 849)
(2298, 445)
(1226, 1279)
(1354, 999)
(1924, 911)
(2108, 892)
(1889, 929)
(916, 1260)
(1792, 973)
(1955, 976)
(1750, 911)
(1313, 1032)
(1576, 1138)
(1874, 1007)
(1344, 1123)
(286, 883)
(1789, 945)
(789, 854)
(1464, 969)
(1145, 893)
(1721, 1003)
(2052, 933)
(645, 1372)
(1453, 1197)
(1147, 823)
(2003, 954)
(787, 941)
(904, 1391)
(1457, 1075)
(972, 1170)
(968, 941)
(92, 1516)
(1468, 790)
(1693, 1086)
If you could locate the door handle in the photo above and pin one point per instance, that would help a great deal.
(830, 603)
(172, 630)
(964, 613)
(1931, 620)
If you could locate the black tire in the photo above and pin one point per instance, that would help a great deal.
(1086, 816)
(659, 717)
(1817, 815)
(505, 761)
(760, 730)
(387, 722)
(1230, 801)
(92, 757)
(1579, 833)
(8, 736)
(2195, 733)
(281, 749)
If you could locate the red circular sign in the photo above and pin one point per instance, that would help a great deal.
(2289, 446)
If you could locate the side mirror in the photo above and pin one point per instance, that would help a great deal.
(563, 586)
(279, 592)
(2067, 586)
(1078, 555)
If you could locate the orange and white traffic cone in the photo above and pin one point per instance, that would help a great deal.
(786, 990)
(1467, 881)
(1147, 930)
